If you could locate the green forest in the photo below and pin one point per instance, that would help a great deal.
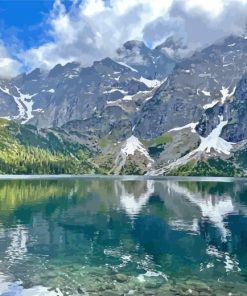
(24, 150)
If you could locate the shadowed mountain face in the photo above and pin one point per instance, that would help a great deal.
(146, 110)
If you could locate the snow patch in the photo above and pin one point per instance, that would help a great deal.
(226, 94)
(150, 83)
(214, 142)
(72, 76)
(226, 65)
(51, 90)
(191, 125)
(111, 102)
(148, 98)
(127, 98)
(132, 145)
(5, 90)
(186, 71)
(206, 93)
(114, 90)
(127, 66)
(39, 110)
(25, 106)
(210, 105)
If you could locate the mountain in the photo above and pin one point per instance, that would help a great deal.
(207, 78)
(150, 63)
(174, 48)
(69, 92)
(145, 111)
(193, 105)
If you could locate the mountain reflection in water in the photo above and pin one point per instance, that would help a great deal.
(53, 232)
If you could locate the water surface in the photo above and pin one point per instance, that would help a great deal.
(92, 236)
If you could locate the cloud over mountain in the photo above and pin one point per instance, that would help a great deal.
(93, 29)
(8, 66)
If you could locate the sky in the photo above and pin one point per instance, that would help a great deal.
(43, 33)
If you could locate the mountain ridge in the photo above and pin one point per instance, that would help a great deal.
(164, 112)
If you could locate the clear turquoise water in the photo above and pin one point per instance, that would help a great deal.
(122, 237)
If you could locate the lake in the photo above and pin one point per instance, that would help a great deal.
(118, 236)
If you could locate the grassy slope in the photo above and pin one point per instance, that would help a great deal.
(160, 140)
(24, 150)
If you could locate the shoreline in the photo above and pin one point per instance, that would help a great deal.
(126, 178)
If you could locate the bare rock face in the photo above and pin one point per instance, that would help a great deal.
(236, 129)
(71, 92)
(198, 83)
(182, 143)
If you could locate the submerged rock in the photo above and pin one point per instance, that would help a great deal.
(121, 278)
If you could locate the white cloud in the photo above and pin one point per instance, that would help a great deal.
(8, 66)
(213, 7)
(92, 30)
(93, 7)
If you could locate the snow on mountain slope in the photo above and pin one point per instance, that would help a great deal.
(25, 105)
(213, 142)
(226, 94)
(132, 145)
(150, 83)
(127, 66)
(190, 125)
(210, 105)
(211, 145)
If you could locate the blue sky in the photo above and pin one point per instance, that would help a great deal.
(26, 20)
(43, 33)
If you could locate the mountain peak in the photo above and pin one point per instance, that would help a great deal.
(174, 48)
(173, 43)
(106, 61)
(134, 44)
